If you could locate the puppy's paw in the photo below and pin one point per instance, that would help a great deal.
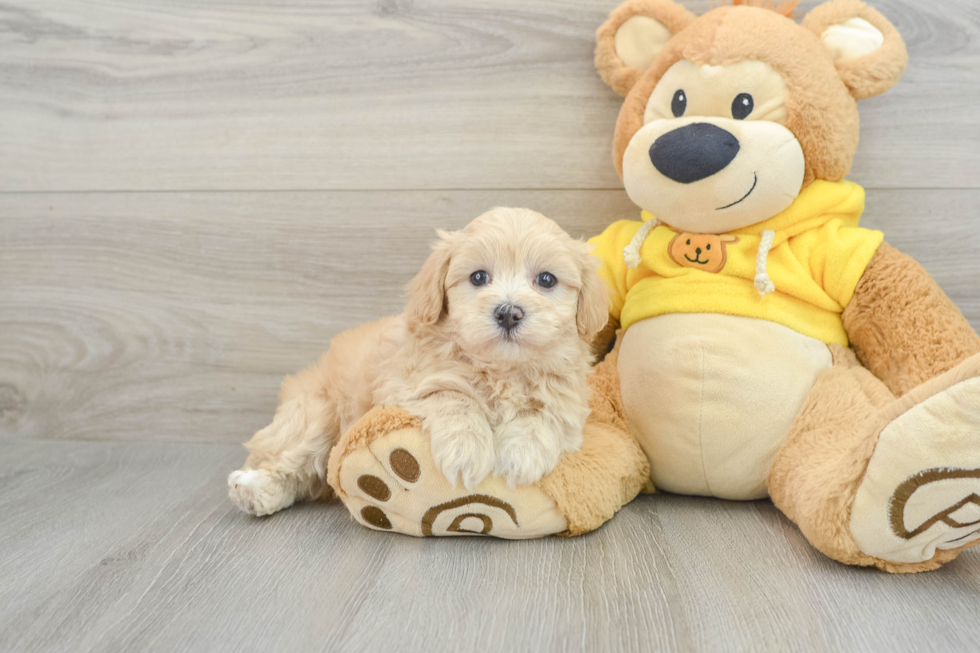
(257, 492)
(526, 451)
(390, 483)
(462, 447)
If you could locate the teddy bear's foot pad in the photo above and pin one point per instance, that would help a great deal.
(921, 491)
(392, 484)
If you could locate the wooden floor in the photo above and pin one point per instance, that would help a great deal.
(196, 195)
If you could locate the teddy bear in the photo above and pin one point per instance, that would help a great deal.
(761, 344)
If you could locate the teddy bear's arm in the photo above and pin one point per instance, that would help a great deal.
(902, 326)
(608, 248)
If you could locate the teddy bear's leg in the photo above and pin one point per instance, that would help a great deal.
(610, 469)
(382, 470)
(871, 479)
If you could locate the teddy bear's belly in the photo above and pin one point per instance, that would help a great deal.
(710, 397)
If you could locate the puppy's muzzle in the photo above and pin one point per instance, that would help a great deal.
(508, 316)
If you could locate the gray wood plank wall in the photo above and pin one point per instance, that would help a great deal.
(196, 195)
(461, 94)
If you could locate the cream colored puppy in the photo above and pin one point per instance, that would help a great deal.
(491, 353)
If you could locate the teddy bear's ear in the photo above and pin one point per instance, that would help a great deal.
(868, 51)
(632, 37)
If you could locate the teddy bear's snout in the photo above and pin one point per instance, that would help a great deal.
(693, 152)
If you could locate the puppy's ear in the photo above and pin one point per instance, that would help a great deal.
(427, 291)
(632, 37)
(593, 298)
(867, 50)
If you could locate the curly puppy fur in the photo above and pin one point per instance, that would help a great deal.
(491, 400)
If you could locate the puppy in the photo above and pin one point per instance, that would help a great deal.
(491, 353)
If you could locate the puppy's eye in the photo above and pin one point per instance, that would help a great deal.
(480, 278)
(679, 104)
(742, 106)
(546, 280)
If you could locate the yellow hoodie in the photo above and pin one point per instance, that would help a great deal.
(818, 256)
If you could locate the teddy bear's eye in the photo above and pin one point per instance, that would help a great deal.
(679, 104)
(742, 106)
(709, 248)
(688, 241)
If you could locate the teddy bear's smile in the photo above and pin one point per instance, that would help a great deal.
(755, 182)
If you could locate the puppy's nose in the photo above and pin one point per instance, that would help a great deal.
(693, 152)
(508, 315)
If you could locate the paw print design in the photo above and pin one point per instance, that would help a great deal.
(389, 482)
(921, 491)
(912, 507)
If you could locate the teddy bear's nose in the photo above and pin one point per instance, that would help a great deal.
(698, 250)
(693, 152)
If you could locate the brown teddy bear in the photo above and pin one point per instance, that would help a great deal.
(767, 345)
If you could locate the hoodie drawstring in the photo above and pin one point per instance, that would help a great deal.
(763, 283)
(632, 251)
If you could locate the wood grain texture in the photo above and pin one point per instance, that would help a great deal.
(174, 316)
(338, 94)
(143, 552)
(143, 334)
